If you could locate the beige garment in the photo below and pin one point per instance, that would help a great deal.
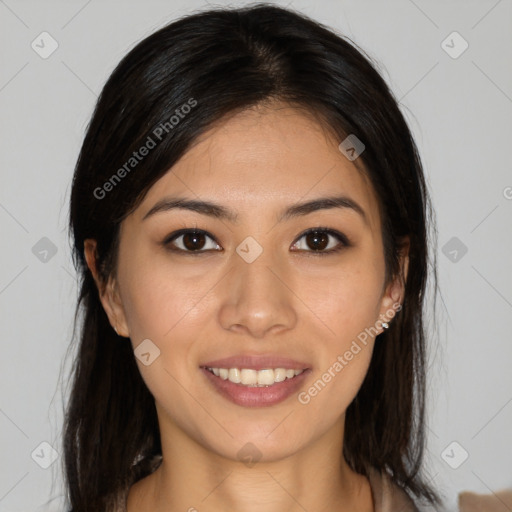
(499, 501)
(387, 496)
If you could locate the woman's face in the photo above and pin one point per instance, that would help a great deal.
(252, 288)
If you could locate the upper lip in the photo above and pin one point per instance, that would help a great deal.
(257, 362)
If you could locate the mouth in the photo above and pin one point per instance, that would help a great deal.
(255, 381)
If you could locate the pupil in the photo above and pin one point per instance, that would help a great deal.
(190, 240)
(315, 237)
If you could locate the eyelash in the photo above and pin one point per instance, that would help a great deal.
(344, 242)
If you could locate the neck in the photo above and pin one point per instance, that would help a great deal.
(192, 477)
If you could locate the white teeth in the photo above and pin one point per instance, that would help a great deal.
(279, 374)
(248, 377)
(234, 375)
(252, 378)
(265, 377)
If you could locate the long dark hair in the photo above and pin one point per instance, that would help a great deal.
(220, 62)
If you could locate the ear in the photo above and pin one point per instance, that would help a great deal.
(394, 292)
(108, 292)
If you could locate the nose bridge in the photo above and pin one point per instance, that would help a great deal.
(257, 300)
(256, 269)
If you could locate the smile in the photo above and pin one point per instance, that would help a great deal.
(248, 387)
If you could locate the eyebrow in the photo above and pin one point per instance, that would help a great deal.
(221, 212)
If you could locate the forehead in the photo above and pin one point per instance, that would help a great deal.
(261, 159)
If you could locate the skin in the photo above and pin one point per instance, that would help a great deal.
(287, 302)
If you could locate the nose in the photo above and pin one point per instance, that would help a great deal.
(258, 298)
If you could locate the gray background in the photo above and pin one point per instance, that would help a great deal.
(460, 110)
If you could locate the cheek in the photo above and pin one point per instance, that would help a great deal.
(157, 300)
(344, 362)
(347, 300)
(348, 303)
(167, 310)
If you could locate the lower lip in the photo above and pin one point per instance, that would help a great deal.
(256, 396)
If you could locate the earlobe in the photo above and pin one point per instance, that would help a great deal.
(107, 292)
(115, 311)
(391, 304)
(393, 296)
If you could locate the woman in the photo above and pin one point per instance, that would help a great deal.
(249, 216)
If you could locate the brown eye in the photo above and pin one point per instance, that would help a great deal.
(318, 240)
(190, 241)
(193, 241)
